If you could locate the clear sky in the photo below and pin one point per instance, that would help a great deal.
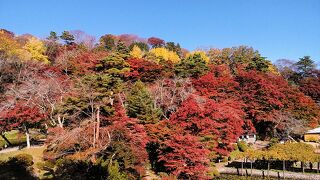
(277, 28)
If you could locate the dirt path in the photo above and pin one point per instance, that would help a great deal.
(261, 173)
(260, 145)
(150, 175)
(16, 148)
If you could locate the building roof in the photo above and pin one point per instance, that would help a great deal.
(314, 131)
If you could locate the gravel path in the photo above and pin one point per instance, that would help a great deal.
(261, 173)
(150, 175)
(16, 148)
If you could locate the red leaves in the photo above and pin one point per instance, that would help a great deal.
(187, 157)
(200, 126)
(267, 95)
(261, 94)
(217, 84)
(18, 116)
(146, 71)
(156, 42)
(86, 62)
(311, 87)
(128, 39)
(133, 133)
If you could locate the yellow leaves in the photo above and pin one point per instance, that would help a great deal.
(289, 151)
(37, 49)
(202, 54)
(136, 52)
(311, 137)
(165, 54)
(272, 69)
(10, 48)
(34, 49)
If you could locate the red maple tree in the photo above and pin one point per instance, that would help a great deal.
(146, 71)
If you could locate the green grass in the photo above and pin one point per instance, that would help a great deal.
(35, 152)
(15, 137)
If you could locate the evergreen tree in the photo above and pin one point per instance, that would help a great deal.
(114, 64)
(171, 46)
(122, 48)
(192, 66)
(67, 37)
(108, 41)
(143, 46)
(305, 66)
(259, 63)
(140, 104)
(53, 36)
(114, 172)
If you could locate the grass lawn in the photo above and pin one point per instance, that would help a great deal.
(15, 137)
(35, 152)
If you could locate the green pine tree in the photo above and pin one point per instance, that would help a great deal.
(108, 41)
(193, 66)
(140, 104)
(259, 64)
(53, 36)
(67, 37)
(114, 172)
(305, 66)
(114, 65)
(122, 48)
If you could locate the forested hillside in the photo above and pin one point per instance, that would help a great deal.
(111, 107)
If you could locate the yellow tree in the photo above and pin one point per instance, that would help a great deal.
(37, 49)
(272, 68)
(136, 52)
(9, 47)
(202, 54)
(252, 155)
(165, 54)
(279, 152)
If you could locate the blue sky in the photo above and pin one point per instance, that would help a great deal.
(277, 28)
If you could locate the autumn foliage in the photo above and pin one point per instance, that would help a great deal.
(127, 101)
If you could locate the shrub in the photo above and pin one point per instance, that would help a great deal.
(74, 169)
(22, 159)
(213, 172)
(47, 167)
(273, 141)
(114, 172)
(242, 146)
(17, 167)
(311, 138)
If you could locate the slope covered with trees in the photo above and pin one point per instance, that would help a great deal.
(116, 104)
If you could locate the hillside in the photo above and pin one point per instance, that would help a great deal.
(112, 107)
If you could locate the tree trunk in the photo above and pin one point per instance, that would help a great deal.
(284, 167)
(28, 139)
(242, 167)
(268, 168)
(27, 135)
(6, 139)
(251, 167)
(245, 165)
(302, 166)
(98, 124)
(318, 167)
(94, 135)
(60, 124)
